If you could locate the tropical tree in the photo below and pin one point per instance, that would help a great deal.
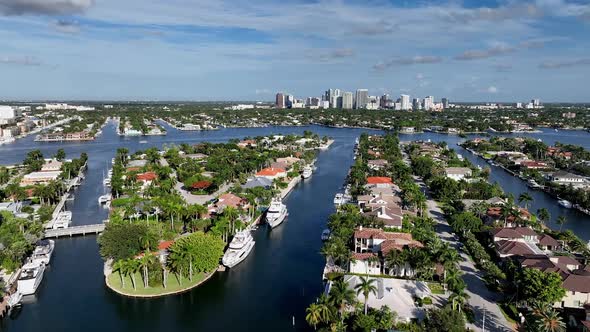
(561, 220)
(543, 215)
(341, 296)
(313, 315)
(458, 300)
(131, 267)
(525, 198)
(546, 319)
(120, 266)
(366, 287)
(144, 264)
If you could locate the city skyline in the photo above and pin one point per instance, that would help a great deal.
(235, 50)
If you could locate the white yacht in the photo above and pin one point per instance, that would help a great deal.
(104, 199)
(107, 182)
(565, 203)
(30, 278)
(63, 220)
(276, 213)
(43, 251)
(341, 199)
(307, 171)
(239, 248)
(15, 300)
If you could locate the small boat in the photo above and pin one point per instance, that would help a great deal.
(325, 234)
(104, 199)
(106, 182)
(142, 142)
(565, 203)
(307, 171)
(276, 213)
(30, 278)
(341, 199)
(43, 251)
(15, 300)
(533, 184)
(239, 248)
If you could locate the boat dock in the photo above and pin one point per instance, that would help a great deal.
(74, 231)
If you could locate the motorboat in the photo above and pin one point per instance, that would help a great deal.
(239, 248)
(63, 220)
(30, 278)
(307, 171)
(534, 185)
(104, 199)
(325, 234)
(43, 251)
(341, 199)
(565, 203)
(276, 213)
(107, 182)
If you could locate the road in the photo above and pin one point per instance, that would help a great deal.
(480, 297)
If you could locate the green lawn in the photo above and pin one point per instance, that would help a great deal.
(436, 288)
(173, 284)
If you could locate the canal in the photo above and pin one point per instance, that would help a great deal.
(269, 291)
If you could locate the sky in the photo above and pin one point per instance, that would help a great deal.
(202, 50)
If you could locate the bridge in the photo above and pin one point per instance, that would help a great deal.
(74, 231)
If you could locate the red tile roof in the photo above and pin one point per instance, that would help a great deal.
(577, 283)
(165, 245)
(379, 180)
(147, 176)
(513, 248)
(363, 256)
(270, 171)
(204, 184)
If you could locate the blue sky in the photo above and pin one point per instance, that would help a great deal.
(248, 50)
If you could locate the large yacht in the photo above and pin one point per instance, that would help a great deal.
(43, 251)
(30, 278)
(276, 213)
(239, 248)
(307, 171)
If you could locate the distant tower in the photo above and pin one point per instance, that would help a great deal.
(362, 98)
(445, 103)
(280, 100)
(405, 102)
(347, 100)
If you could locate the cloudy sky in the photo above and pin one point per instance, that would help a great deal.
(248, 50)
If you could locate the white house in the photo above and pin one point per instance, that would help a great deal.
(457, 173)
(565, 178)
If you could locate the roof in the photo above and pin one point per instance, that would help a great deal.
(510, 248)
(577, 283)
(147, 176)
(270, 171)
(230, 199)
(457, 170)
(257, 182)
(203, 184)
(165, 245)
(564, 174)
(363, 256)
(379, 180)
(375, 233)
(506, 233)
(544, 264)
(546, 240)
(377, 162)
(137, 163)
(496, 213)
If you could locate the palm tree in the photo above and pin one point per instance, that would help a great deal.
(340, 295)
(144, 263)
(479, 209)
(543, 215)
(525, 198)
(547, 320)
(366, 287)
(393, 259)
(120, 266)
(458, 300)
(313, 315)
(561, 220)
(231, 213)
(132, 265)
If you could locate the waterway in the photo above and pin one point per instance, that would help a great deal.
(269, 291)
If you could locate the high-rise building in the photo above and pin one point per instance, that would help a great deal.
(416, 104)
(328, 94)
(518, 105)
(428, 103)
(383, 101)
(362, 98)
(336, 101)
(280, 100)
(405, 102)
(445, 103)
(337, 92)
(536, 102)
(347, 101)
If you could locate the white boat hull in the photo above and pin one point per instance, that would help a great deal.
(234, 257)
(274, 222)
(29, 286)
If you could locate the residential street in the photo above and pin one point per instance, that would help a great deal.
(480, 298)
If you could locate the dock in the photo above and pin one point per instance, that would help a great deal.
(74, 231)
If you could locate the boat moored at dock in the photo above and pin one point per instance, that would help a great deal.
(30, 278)
(276, 213)
(239, 248)
(43, 252)
(565, 203)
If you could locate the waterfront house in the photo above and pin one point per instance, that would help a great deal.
(566, 178)
(494, 215)
(548, 243)
(228, 199)
(272, 173)
(258, 182)
(247, 143)
(533, 164)
(390, 216)
(558, 153)
(577, 287)
(289, 161)
(42, 178)
(147, 178)
(377, 164)
(137, 163)
(516, 241)
(457, 173)
(51, 165)
(380, 181)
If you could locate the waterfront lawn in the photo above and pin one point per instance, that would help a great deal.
(173, 286)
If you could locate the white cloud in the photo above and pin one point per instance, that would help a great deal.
(492, 89)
